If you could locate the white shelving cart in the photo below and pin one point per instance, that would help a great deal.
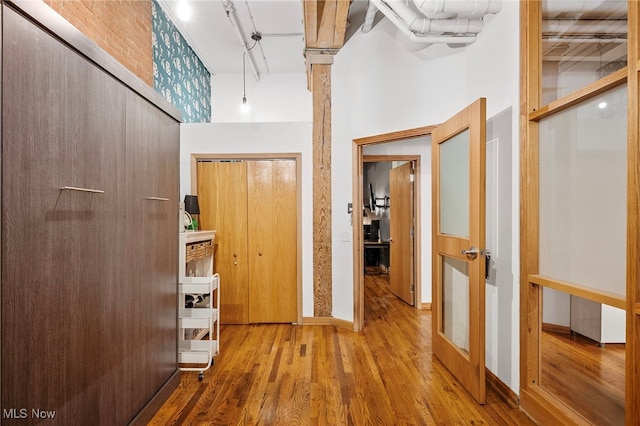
(199, 302)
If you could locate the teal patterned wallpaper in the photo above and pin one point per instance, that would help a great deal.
(178, 73)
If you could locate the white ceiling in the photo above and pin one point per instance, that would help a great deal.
(211, 34)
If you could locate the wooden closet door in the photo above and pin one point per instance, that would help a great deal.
(222, 195)
(272, 241)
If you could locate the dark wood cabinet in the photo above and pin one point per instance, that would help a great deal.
(89, 272)
(151, 224)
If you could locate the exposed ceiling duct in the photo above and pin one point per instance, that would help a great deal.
(231, 14)
(455, 23)
(449, 9)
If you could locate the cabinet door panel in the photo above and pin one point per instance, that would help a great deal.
(272, 241)
(60, 341)
(222, 195)
(152, 152)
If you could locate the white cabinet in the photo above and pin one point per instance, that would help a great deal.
(199, 302)
(602, 323)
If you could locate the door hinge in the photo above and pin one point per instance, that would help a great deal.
(412, 177)
(413, 287)
(411, 233)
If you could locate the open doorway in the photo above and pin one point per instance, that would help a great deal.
(388, 229)
(410, 146)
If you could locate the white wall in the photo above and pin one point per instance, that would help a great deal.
(380, 87)
(276, 97)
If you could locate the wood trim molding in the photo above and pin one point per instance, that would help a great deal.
(580, 291)
(501, 389)
(555, 328)
(632, 356)
(349, 325)
(530, 294)
(358, 255)
(396, 136)
(545, 409)
(357, 159)
(592, 90)
(379, 158)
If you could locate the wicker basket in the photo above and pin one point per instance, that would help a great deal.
(198, 250)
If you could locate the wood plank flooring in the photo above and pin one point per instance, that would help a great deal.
(323, 375)
(585, 376)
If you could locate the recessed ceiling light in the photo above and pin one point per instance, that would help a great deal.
(602, 105)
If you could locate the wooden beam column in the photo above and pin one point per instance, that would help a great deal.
(325, 23)
(320, 82)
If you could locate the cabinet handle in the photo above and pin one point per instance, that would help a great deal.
(235, 258)
(259, 253)
(74, 188)
(156, 199)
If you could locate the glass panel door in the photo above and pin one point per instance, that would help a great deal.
(455, 302)
(458, 257)
(454, 184)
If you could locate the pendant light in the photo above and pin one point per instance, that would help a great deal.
(244, 107)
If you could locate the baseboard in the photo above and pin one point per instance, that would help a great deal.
(342, 323)
(503, 391)
(154, 404)
(425, 306)
(555, 328)
(327, 321)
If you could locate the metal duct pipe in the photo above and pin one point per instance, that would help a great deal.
(438, 9)
(231, 14)
(390, 12)
(422, 25)
(369, 18)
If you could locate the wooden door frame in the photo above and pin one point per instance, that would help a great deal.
(536, 401)
(297, 157)
(357, 182)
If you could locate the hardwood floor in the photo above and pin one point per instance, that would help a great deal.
(323, 375)
(585, 376)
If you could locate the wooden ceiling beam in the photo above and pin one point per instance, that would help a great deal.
(325, 23)
(311, 24)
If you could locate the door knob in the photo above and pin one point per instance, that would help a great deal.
(471, 252)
